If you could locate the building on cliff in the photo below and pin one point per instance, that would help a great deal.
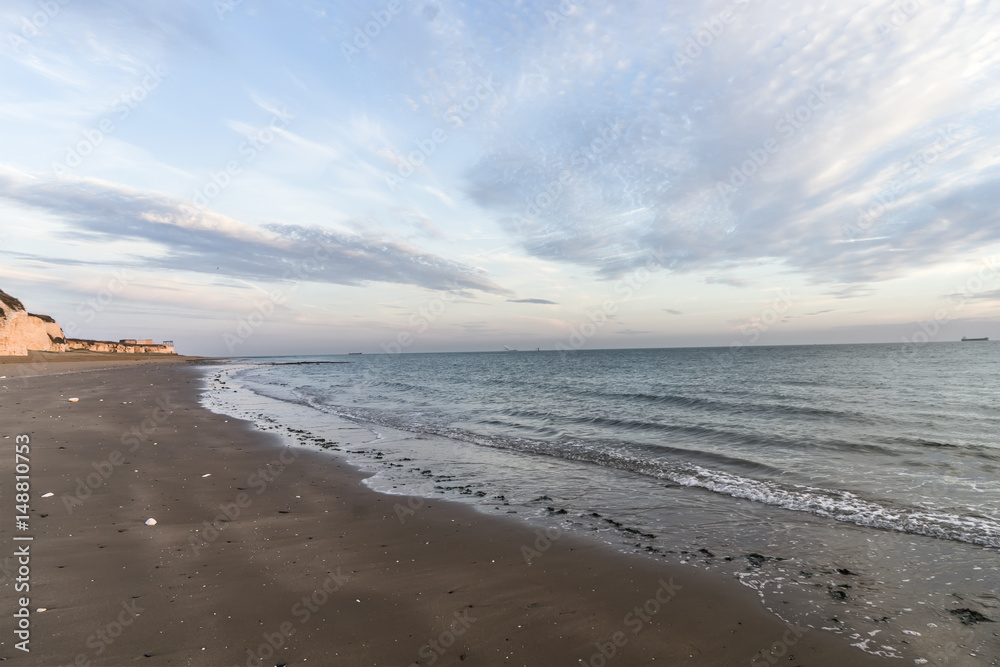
(21, 331)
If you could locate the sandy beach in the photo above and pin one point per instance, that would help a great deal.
(265, 554)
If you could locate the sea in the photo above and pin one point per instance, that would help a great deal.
(855, 488)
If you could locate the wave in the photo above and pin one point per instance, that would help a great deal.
(966, 449)
(830, 503)
(661, 462)
(690, 432)
(745, 403)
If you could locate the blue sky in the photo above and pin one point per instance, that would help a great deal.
(309, 177)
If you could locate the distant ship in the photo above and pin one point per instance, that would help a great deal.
(355, 353)
(973, 340)
(509, 349)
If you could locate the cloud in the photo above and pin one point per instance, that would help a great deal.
(540, 301)
(788, 318)
(633, 332)
(439, 194)
(732, 282)
(788, 146)
(672, 311)
(420, 222)
(120, 36)
(202, 241)
(993, 295)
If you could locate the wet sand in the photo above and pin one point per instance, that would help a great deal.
(264, 554)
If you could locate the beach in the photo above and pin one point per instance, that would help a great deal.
(265, 554)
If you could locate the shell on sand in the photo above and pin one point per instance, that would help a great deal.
(150, 522)
(73, 400)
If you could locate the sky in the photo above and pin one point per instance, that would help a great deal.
(308, 177)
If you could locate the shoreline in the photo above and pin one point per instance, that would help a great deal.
(36, 363)
(304, 556)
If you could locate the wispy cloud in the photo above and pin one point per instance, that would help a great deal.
(539, 301)
(992, 295)
(202, 241)
(732, 282)
(807, 119)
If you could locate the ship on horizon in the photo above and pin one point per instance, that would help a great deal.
(974, 340)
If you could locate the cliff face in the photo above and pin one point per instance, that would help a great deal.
(21, 331)
(120, 348)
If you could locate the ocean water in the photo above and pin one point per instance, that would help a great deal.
(782, 466)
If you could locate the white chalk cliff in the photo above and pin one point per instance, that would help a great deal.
(21, 331)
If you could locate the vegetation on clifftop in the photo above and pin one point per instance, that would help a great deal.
(10, 302)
